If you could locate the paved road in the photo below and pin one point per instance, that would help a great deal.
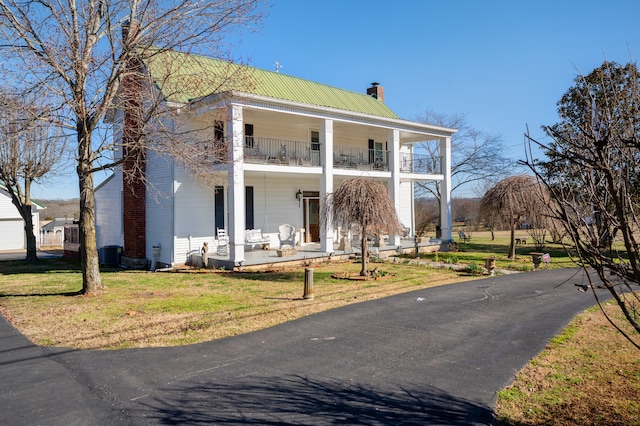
(398, 360)
(21, 254)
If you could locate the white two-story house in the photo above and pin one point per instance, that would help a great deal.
(289, 141)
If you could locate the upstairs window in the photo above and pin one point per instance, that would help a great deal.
(218, 131)
(315, 140)
(219, 147)
(248, 136)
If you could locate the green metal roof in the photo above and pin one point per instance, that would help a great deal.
(182, 77)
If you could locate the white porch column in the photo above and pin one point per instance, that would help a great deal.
(445, 193)
(326, 181)
(394, 183)
(236, 183)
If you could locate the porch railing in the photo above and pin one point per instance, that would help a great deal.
(360, 158)
(420, 164)
(260, 150)
(280, 151)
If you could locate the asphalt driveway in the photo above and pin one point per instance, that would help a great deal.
(434, 356)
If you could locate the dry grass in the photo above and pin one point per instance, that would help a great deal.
(589, 375)
(141, 309)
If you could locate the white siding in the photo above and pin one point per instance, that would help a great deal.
(159, 208)
(7, 209)
(275, 203)
(194, 216)
(12, 232)
(108, 200)
(406, 205)
(12, 235)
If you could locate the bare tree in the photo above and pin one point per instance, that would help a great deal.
(366, 204)
(511, 200)
(592, 174)
(466, 210)
(476, 157)
(91, 58)
(30, 148)
(426, 210)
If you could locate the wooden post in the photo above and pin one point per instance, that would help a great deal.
(308, 283)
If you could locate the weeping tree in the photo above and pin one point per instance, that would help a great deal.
(592, 174)
(512, 200)
(365, 204)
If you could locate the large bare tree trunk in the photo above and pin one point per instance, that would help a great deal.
(32, 254)
(91, 279)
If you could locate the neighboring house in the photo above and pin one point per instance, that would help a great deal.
(12, 235)
(52, 233)
(290, 142)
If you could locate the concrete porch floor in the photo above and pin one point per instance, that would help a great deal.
(310, 253)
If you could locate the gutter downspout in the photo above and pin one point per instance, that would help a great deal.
(172, 251)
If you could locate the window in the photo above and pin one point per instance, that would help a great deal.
(219, 207)
(379, 153)
(376, 154)
(249, 215)
(371, 151)
(315, 140)
(219, 149)
(248, 136)
(218, 130)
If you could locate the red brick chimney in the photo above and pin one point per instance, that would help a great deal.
(133, 166)
(376, 91)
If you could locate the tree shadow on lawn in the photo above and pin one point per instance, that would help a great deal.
(64, 293)
(291, 275)
(301, 400)
(41, 266)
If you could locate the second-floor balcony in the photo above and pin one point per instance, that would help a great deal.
(259, 150)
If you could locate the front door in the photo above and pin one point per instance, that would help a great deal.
(312, 219)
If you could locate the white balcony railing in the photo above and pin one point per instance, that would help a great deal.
(280, 151)
(360, 158)
(423, 164)
(259, 150)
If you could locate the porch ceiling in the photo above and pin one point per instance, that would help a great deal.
(303, 123)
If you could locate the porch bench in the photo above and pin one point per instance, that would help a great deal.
(253, 237)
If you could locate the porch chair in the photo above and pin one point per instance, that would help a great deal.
(223, 242)
(462, 237)
(287, 234)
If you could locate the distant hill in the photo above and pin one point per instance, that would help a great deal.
(60, 208)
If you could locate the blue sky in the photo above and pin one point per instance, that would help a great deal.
(504, 64)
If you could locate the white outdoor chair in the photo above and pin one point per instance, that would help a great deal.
(287, 234)
(223, 242)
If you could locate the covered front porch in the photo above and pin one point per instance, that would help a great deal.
(308, 254)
